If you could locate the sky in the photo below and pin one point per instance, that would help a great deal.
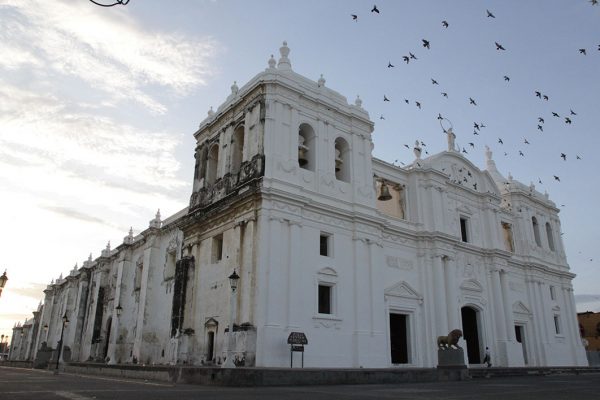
(98, 107)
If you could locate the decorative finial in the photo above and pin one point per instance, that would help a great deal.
(272, 62)
(546, 195)
(234, 88)
(417, 150)
(211, 112)
(510, 177)
(129, 238)
(90, 258)
(60, 277)
(321, 81)
(358, 101)
(156, 222)
(52, 281)
(488, 153)
(106, 251)
(284, 62)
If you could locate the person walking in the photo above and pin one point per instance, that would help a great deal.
(487, 359)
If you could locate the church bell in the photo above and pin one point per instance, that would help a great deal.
(384, 192)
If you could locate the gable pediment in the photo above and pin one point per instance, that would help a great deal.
(520, 308)
(471, 285)
(403, 290)
(327, 271)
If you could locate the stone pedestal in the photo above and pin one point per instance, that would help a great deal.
(451, 365)
(451, 357)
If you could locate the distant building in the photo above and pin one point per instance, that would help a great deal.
(589, 329)
(370, 260)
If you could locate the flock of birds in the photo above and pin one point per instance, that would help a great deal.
(477, 126)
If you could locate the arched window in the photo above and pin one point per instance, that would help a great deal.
(306, 147)
(212, 163)
(342, 160)
(237, 149)
(550, 237)
(536, 231)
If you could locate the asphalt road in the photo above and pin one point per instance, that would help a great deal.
(17, 384)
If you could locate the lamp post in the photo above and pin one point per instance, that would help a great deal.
(65, 322)
(3, 280)
(233, 281)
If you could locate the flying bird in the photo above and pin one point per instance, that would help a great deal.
(385, 98)
(418, 104)
(540, 128)
(567, 120)
(406, 101)
(412, 56)
(354, 17)
(472, 145)
(526, 142)
(573, 112)
(521, 153)
(594, 3)
(406, 146)
(434, 82)
(563, 156)
(555, 114)
(489, 14)
(381, 117)
(499, 46)
(481, 125)
(476, 125)
(578, 157)
(444, 94)
(500, 141)
(506, 78)
(465, 151)
(405, 58)
(475, 133)
(425, 43)
(582, 51)
(538, 94)
(375, 9)
(541, 120)
(440, 116)
(556, 178)
(546, 97)
(540, 181)
(445, 24)
(471, 101)
(390, 65)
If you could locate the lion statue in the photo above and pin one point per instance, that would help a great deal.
(445, 342)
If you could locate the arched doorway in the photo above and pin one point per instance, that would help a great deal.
(470, 328)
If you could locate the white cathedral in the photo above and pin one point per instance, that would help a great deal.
(371, 261)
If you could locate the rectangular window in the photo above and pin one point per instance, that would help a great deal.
(325, 299)
(557, 324)
(324, 245)
(464, 233)
(217, 248)
(552, 293)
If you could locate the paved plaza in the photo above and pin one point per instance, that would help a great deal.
(17, 384)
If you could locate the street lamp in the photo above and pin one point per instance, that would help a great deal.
(233, 282)
(60, 342)
(3, 280)
(119, 310)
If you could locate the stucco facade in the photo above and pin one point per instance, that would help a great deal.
(287, 194)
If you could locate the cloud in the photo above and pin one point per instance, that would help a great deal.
(110, 52)
(72, 213)
(33, 290)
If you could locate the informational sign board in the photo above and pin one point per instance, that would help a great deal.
(297, 340)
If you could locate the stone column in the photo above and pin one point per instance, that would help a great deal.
(451, 292)
(114, 334)
(510, 322)
(543, 315)
(441, 310)
(294, 293)
(498, 305)
(537, 324)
